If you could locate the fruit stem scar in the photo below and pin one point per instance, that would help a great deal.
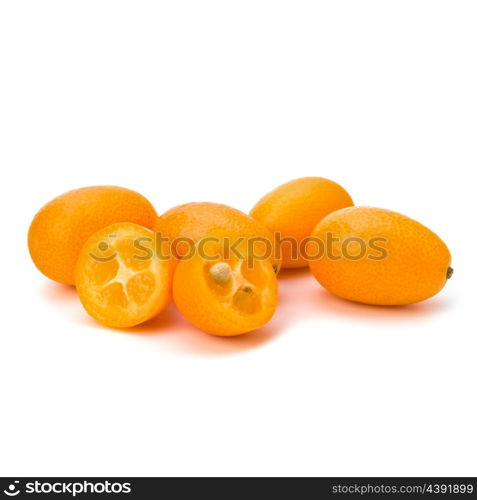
(220, 272)
(450, 272)
(247, 289)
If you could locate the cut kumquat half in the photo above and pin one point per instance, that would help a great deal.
(122, 278)
(225, 295)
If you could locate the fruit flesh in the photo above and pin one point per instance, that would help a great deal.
(60, 229)
(416, 265)
(118, 284)
(292, 210)
(225, 296)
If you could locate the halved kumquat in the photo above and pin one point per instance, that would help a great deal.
(122, 278)
(225, 294)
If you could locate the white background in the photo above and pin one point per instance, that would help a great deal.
(222, 101)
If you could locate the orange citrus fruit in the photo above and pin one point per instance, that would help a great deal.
(377, 256)
(122, 278)
(293, 209)
(187, 224)
(62, 226)
(223, 293)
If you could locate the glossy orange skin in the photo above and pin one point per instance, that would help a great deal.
(414, 265)
(293, 209)
(212, 308)
(196, 220)
(60, 229)
(121, 284)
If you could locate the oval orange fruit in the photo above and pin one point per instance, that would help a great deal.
(293, 209)
(122, 277)
(62, 226)
(194, 221)
(376, 256)
(223, 293)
